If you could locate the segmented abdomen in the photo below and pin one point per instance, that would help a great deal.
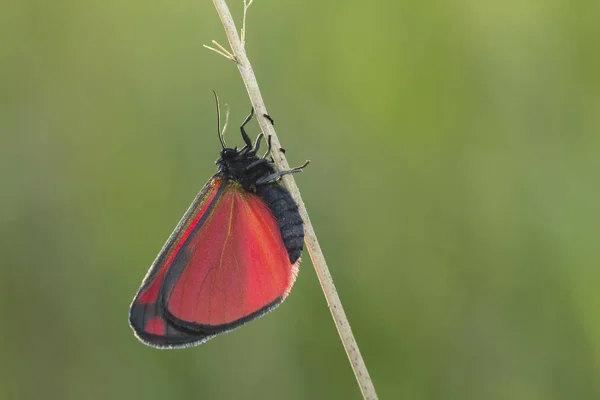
(288, 218)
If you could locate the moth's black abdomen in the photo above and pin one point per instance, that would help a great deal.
(285, 210)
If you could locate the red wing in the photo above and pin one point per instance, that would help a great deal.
(147, 315)
(232, 268)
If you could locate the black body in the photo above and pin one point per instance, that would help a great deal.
(257, 175)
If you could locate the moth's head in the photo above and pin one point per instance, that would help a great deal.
(228, 154)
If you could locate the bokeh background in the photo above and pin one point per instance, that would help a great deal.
(454, 186)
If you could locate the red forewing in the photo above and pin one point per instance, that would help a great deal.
(232, 269)
(224, 265)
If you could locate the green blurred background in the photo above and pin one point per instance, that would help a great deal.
(455, 151)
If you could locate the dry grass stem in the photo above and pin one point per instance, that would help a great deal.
(238, 54)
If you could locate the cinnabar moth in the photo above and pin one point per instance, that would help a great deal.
(233, 256)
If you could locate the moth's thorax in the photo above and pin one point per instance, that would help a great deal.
(244, 167)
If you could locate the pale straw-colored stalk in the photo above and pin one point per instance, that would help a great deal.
(238, 55)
